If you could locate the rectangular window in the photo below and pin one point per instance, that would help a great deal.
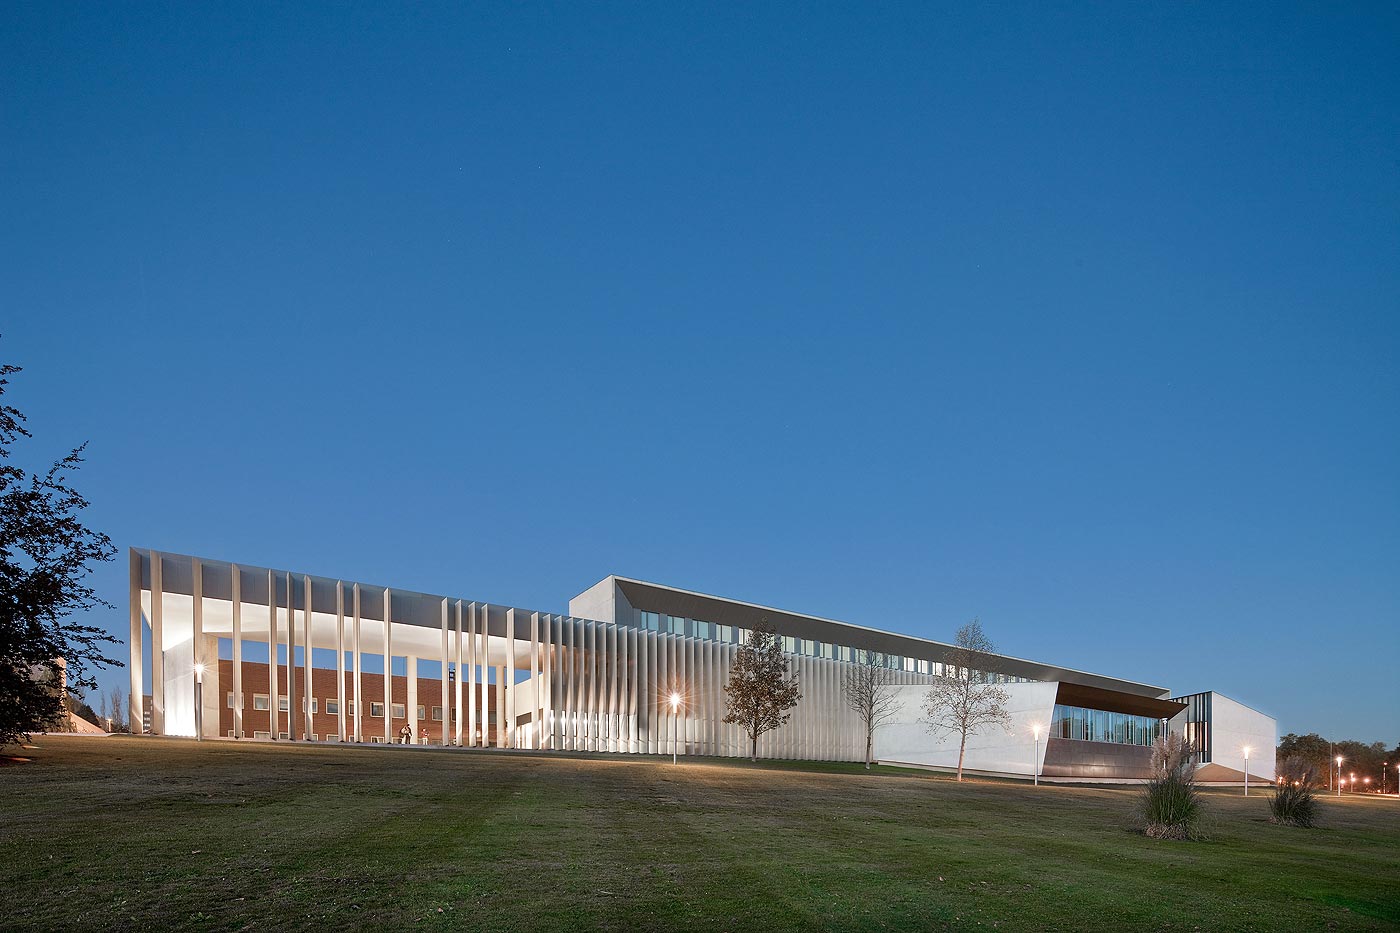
(376, 710)
(437, 714)
(349, 707)
(422, 713)
(283, 704)
(260, 701)
(332, 706)
(398, 710)
(313, 704)
(262, 735)
(230, 699)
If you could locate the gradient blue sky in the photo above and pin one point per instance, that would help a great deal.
(1081, 321)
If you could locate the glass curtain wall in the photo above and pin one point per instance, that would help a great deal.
(1096, 725)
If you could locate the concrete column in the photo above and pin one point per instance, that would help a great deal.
(340, 660)
(197, 646)
(236, 597)
(272, 715)
(547, 683)
(135, 707)
(410, 708)
(213, 693)
(307, 687)
(595, 687)
(537, 682)
(291, 660)
(483, 661)
(567, 662)
(473, 657)
(614, 655)
(445, 724)
(462, 652)
(388, 667)
(510, 716)
(358, 662)
(157, 646)
(500, 706)
(634, 658)
(483, 685)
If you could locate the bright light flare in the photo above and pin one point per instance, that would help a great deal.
(199, 670)
(675, 700)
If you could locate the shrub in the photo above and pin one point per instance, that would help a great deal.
(1171, 802)
(1294, 800)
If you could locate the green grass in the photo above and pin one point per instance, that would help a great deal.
(130, 833)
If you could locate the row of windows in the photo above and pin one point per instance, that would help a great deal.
(805, 647)
(1096, 725)
(262, 701)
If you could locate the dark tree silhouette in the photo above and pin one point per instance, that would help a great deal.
(45, 558)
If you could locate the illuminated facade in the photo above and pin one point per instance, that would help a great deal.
(471, 673)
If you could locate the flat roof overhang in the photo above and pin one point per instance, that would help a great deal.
(1115, 701)
(653, 597)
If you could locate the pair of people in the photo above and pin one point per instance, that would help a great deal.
(406, 735)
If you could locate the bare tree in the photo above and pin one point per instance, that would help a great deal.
(966, 699)
(760, 692)
(117, 702)
(866, 687)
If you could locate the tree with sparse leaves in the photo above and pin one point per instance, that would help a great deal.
(866, 687)
(966, 698)
(760, 691)
(46, 554)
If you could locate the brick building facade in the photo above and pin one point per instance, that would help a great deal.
(325, 726)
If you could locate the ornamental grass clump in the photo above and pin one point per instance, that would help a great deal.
(1171, 801)
(1294, 800)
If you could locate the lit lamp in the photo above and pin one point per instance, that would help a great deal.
(1339, 775)
(675, 705)
(1035, 755)
(199, 702)
(1246, 770)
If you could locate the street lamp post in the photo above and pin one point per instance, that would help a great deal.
(1035, 755)
(1353, 782)
(675, 705)
(1339, 775)
(1246, 770)
(199, 702)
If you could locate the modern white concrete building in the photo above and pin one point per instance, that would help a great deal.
(595, 678)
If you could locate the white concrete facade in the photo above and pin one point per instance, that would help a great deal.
(1230, 729)
(1012, 751)
(596, 679)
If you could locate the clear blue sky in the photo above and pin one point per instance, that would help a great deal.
(1083, 321)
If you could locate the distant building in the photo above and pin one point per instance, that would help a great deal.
(597, 678)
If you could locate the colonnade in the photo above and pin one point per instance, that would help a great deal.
(560, 682)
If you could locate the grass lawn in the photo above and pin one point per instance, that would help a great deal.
(133, 833)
